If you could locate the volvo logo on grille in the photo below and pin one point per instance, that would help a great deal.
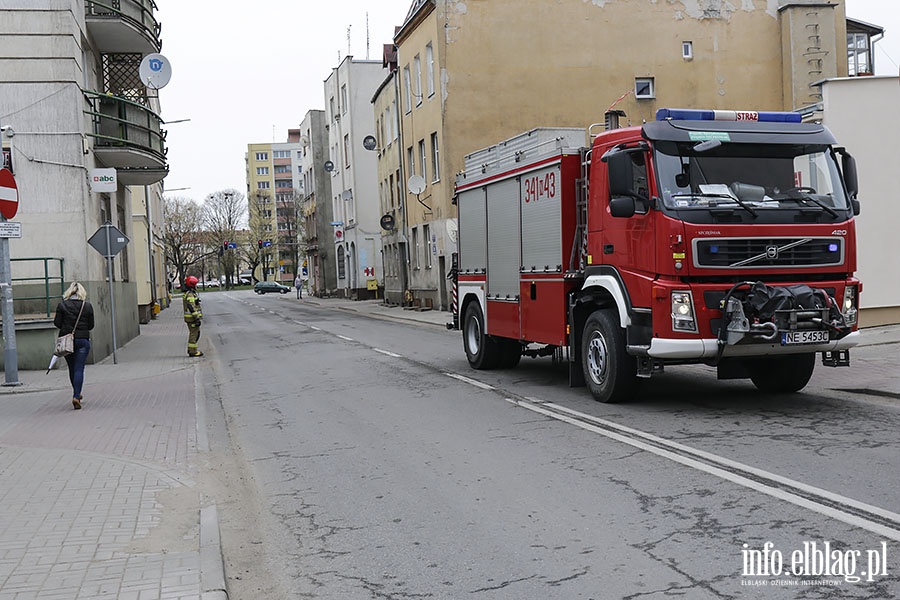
(771, 251)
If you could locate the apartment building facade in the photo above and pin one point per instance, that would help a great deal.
(71, 102)
(274, 194)
(316, 206)
(475, 73)
(389, 151)
(356, 208)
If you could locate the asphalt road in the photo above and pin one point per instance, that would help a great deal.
(358, 458)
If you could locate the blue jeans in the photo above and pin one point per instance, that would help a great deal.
(76, 362)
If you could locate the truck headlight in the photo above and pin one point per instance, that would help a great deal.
(850, 307)
(683, 312)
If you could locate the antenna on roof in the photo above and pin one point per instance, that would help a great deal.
(367, 36)
(348, 40)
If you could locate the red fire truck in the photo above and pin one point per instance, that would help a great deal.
(723, 238)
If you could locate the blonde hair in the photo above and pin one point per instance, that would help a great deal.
(77, 290)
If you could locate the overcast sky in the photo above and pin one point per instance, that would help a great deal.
(247, 72)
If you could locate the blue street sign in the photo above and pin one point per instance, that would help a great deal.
(267, 243)
(232, 245)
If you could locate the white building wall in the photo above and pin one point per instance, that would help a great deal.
(861, 112)
(355, 185)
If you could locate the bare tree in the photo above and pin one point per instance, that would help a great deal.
(223, 214)
(260, 207)
(181, 234)
(291, 230)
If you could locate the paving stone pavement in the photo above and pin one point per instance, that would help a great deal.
(102, 503)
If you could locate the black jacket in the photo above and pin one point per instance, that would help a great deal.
(67, 313)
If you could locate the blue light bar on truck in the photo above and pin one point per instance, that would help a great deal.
(691, 114)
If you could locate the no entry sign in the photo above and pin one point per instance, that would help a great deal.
(9, 194)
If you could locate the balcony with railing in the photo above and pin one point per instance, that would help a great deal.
(128, 136)
(123, 25)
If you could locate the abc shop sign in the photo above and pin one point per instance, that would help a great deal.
(103, 180)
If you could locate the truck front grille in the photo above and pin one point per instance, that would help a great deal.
(756, 253)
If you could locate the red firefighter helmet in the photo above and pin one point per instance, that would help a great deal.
(191, 281)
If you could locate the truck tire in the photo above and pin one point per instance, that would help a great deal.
(782, 375)
(482, 351)
(609, 372)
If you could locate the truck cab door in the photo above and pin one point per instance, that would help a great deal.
(625, 230)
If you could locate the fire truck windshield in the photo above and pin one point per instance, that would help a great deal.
(771, 182)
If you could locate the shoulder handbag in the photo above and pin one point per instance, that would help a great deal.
(65, 344)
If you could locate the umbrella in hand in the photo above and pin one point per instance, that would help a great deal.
(52, 364)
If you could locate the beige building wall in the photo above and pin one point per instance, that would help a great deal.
(391, 188)
(424, 128)
(857, 110)
(506, 67)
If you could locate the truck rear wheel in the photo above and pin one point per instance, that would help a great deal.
(482, 351)
(782, 375)
(609, 372)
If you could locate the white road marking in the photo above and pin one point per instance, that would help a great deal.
(477, 384)
(386, 352)
(634, 437)
(344, 337)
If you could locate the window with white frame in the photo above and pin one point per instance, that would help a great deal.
(417, 63)
(281, 154)
(344, 99)
(407, 90)
(414, 255)
(410, 161)
(262, 170)
(435, 158)
(429, 247)
(687, 50)
(347, 150)
(859, 54)
(262, 156)
(429, 69)
(395, 128)
(644, 88)
(262, 185)
(422, 158)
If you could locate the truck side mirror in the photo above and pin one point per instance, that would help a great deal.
(621, 175)
(622, 194)
(851, 179)
(622, 207)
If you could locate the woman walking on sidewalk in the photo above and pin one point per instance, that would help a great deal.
(75, 314)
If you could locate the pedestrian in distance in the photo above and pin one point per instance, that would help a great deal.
(298, 283)
(74, 314)
(192, 314)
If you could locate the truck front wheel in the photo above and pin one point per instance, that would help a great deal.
(782, 375)
(609, 372)
(482, 351)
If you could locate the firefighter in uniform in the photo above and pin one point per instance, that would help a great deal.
(192, 314)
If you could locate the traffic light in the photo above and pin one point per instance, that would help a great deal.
(259, 244)
(225, 245)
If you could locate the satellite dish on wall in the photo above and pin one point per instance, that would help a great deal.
(155, 71)
(416, 184)
(347, 195)
(329, 166)
(304, 141)
(369, 142)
